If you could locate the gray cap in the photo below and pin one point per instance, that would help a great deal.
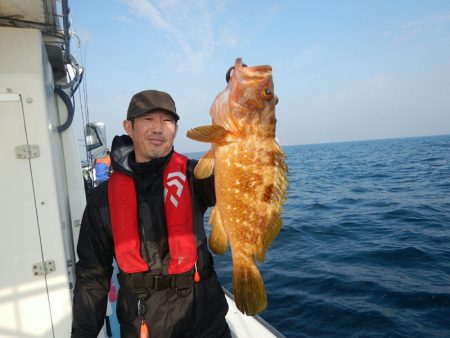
(149, 100)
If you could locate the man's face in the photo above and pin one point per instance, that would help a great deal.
(153, 134)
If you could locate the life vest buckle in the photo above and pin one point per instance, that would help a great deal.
(162, 282)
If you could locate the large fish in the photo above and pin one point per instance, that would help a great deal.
(250, 177)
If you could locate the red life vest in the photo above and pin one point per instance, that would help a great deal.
(178, 209)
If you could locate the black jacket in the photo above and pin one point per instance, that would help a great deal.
(195, 310)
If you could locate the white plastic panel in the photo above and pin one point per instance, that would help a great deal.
(24, 305)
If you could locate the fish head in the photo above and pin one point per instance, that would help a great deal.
(247, 105)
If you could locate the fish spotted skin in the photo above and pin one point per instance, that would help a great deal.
(250, 177)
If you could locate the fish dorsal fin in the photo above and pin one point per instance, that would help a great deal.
(212, 134)
(205, 166)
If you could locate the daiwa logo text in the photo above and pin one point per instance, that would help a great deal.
(174, 179)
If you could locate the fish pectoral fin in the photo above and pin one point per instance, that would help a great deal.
(205, 166)
(212, 134)
(266, 238)
(218, 240)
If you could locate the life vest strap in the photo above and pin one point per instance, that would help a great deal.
(144, 280)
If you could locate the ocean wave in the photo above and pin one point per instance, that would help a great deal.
(317, 206)
(405, 257)
(404, 214)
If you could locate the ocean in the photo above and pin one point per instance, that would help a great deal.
(365, 246)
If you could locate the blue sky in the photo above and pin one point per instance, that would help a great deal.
(343, 70)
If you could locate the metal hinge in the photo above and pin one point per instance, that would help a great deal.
(27, 151)
(43, 268)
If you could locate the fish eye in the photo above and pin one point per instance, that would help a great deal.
(267, 94)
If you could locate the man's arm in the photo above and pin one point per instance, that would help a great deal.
(204, 188)
(93, 274)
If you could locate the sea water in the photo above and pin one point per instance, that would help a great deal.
(365, 246)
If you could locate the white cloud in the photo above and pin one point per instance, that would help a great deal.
(440, 18)
(415, 29)
(305, 59)
(145, 8)
(123, 18)
(188, 23)
(412, 30)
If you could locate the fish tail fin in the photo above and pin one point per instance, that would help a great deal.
(211, 134)
(218, 240)
(205, 165)
(248, 287)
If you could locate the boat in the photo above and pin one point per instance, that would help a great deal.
(43, 192)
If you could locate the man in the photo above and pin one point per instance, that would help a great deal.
(102, 168)
(149, 216)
